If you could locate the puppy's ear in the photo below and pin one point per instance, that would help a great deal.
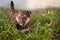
(12, 5)
(29, 13)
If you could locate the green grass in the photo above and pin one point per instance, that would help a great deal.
(39, 29)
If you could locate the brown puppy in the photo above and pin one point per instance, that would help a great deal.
(22, 18)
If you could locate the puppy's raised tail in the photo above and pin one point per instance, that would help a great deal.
(12, 6)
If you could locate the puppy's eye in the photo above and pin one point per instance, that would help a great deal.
(24, 16)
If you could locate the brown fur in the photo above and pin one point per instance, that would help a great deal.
(22, 18)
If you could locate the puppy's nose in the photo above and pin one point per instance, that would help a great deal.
(21, 24)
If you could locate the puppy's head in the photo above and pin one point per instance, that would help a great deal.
(23, 17)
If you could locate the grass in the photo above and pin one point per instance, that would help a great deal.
(39, 29)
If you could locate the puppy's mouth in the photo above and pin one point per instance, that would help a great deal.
(20, 27)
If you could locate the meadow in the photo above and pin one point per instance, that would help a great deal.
(40, 28)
